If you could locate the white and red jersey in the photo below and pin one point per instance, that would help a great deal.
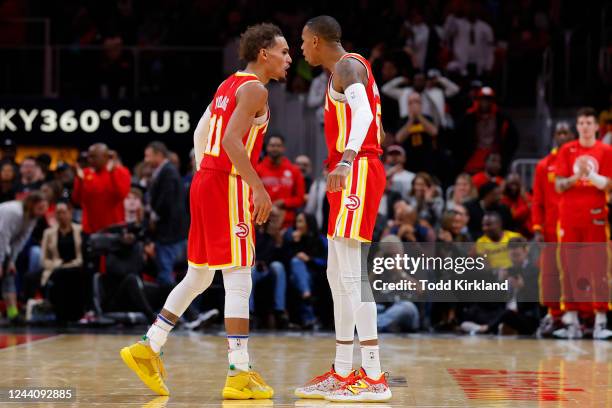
(222, 108)
(338, 118)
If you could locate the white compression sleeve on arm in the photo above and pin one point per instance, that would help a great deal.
(200, 137)
(361, 115)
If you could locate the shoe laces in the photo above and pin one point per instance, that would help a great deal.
(352, 379)
(321, 377)
(257, 378)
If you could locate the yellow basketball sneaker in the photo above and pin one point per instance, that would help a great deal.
(245, 385)
(147, 364)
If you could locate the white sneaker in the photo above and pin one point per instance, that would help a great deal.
(201, 319)
(572, 331)
(601, 333)
(546, 328)
(471, 328)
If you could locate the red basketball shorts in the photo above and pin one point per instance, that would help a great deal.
(353, 211)
(221, 234)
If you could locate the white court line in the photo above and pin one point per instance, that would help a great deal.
(573, 347)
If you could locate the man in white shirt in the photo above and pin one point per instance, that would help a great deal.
(433, 95)
(472, 42)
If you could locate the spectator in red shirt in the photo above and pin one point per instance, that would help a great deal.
(519, 202)
(493, 167)
(101, 188)
(282, 179)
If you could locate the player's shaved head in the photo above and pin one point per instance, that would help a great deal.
(325, 27)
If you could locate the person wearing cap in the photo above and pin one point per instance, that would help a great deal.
(545, 216)
(433, 88)
(398, 178)
(485, 130)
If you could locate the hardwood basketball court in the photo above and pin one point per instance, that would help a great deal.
(425, 371)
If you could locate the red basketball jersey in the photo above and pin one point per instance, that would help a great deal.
(338, 119)
(222, 107)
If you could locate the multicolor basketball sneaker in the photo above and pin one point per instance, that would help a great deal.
(323, 385)
(362, 389)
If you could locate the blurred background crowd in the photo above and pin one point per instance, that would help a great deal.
(101, 239)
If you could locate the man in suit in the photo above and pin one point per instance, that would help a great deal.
(168, 212)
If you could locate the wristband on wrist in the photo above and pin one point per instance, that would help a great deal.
(344, 163)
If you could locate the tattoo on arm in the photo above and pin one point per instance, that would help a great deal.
(349, 71)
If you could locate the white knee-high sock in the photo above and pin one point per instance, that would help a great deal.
(350, 266)
(344, 318)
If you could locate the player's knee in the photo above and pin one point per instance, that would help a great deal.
(238, 284)
(198, 279)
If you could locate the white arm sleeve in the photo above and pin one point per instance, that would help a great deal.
(361, 115)
(200, 137)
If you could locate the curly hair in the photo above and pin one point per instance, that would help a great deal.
(257, 37)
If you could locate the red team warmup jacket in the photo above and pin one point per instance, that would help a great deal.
(101, 195)
(583, 218)
(283, 182)
(545, 200)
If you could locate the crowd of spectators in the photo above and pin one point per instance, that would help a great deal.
(95, 237)
(116, 232)
(466, 38)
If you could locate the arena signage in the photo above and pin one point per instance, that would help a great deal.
(49, 120)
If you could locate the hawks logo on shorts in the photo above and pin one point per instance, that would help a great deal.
(352, 202)
(241, 230)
